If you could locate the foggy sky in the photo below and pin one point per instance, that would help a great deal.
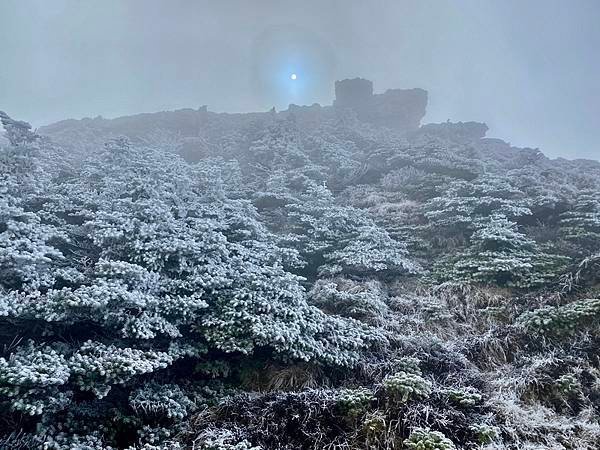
(528, 68)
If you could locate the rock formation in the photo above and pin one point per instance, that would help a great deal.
(400, 109)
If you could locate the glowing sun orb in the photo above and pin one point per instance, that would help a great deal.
(293, 76)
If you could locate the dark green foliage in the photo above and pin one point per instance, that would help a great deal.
(500, 255)
(580, 226)
(425, 439)
(563, 320)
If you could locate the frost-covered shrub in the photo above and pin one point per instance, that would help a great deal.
(371, 251)
(342, 239)
(29, 243)
(464, 205)
(404, 386)
(374, 423)
(67, 441)
(141, 297)
(155, 438)
(167, 400)
(354, 402)
(408, 364)
(96, 367)
(580, 226)
(467, 397)
(426, 439)
(407, 383)
(568, 384)
(31, 378)
(486, 434)
(28, 260)
(562, 320)
(278, 147)
(133, 266)
(222, 439)
(363, 301)
(500, 255)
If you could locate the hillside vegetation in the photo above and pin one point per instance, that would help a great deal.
(295, 281)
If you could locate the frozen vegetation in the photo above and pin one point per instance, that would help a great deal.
(310, 279)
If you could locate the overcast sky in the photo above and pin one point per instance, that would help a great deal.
(530, 69)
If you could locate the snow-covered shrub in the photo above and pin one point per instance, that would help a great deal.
(222, 439)
(408, 364)
(31, 379)
(467, 397)
(66, 441)
(155, 438)
(426, 439)
(500, 255)
(405, 386)
(370, 251)
(486, 434)
(562, 320)
(374, 424)
(166, 400)
(147, 303)
(580, 225)
(464, 205)
(96, 367)
(355, 402)
(125, 270)
(364, 301)
(568, 383)
(342, 239)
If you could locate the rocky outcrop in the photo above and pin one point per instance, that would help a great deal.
(400, 109)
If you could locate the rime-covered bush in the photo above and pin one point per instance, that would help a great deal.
(467, 397)
(222, 439)
(465, 204)
(123, 271)
(580, 225)
(374, 424)
(31, 379)
(67, 441)
(343, 240)
(407, 383)
(405, 386)
(96, 367)
(408, 364)
(29, 255)
(568, 384)
(278, 147)
(426, 439)
(562, 320)
(364, 301)
(486, 434)
(162, 400)
(501, 255)
(370, 251)
(354, 402)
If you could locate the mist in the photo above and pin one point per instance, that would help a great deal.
(528, 69)
(277, 225)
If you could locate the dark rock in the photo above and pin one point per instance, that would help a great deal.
(400, 109)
